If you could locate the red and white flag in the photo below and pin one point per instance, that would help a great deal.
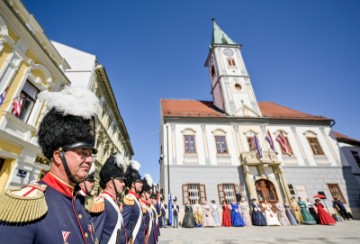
(283, 143)
(269, 139)
(17, 105)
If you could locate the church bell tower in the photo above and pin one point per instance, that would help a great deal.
(231, 88)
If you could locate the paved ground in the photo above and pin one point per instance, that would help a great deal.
(342, 232)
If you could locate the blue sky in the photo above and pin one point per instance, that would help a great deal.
(301, 54)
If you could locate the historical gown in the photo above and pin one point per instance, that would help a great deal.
(214, 208)
(270, 216)
(290, 215)
(226, 220)
(198, 215)
(308, 219)
(236, 219)
(208, 218)
(245, 212)
(324, 217)
(189, 220)
(258, 218)
(283, 219)
(296, 211)
(313, 212)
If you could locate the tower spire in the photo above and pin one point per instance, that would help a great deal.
(219, 36)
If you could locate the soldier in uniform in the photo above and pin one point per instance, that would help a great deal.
(105, 209)
(49, 211)
(87, 185)
(145, 203)
(132, 213)
(163, 208)
(156, 213)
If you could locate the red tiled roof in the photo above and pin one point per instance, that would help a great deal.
(343, 138)
(196, 108)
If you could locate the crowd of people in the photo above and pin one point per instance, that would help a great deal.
(239, 214)
(60, 208)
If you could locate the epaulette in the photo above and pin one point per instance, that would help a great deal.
(23, 205)
(128, 201)
(98, 205)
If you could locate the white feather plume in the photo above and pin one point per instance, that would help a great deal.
(135, 165)
(148, 179)
(72, 100)
(92, 169)
(120, 161)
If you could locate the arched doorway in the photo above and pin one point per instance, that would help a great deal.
(266, 190)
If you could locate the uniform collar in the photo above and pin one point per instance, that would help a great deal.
(144, 202)
(59, 185)
(134, 193)
(109, 194)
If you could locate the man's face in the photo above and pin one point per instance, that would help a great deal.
(79, 162)
(120, 185)
(138, 186)
(89, 184)
(154, 201)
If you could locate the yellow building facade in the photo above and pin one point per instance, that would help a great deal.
(29, 64)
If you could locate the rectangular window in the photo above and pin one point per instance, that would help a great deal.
(189, 144)
(315, 146)
(28, 97)
(356, 157)
(283, 147)
(212, 71)
(221, 146)
(2, 162)
(291, 189)
(231, 62)
(194, 192)
(336, 192)
(227, 192)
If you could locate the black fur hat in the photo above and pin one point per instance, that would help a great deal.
(147, 183)
(154, 193)
(132, 173)
(70, 121)
(114, 168)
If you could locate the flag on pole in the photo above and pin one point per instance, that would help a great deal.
(170, 210)
(257, 146)
(283, 143)
(17, 104)
(2, 97)
(269, 139)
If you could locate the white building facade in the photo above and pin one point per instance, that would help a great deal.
(210, 150)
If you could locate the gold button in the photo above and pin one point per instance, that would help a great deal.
(86, 235)
(80, 216)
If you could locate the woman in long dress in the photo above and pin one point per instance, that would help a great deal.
(324, 217)
(308, 219)
(189, 220)
(283, 219)
(208, 218)
(236, 219)
(290, 214)
(245, 211)
(226, 220)
(197, 214)
(270, 216)
(214, 208)
(296, 210)
(258, 218)
(312, 211)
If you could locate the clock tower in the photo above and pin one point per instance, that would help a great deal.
(231, 88)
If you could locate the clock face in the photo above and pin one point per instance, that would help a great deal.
(228, 52)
